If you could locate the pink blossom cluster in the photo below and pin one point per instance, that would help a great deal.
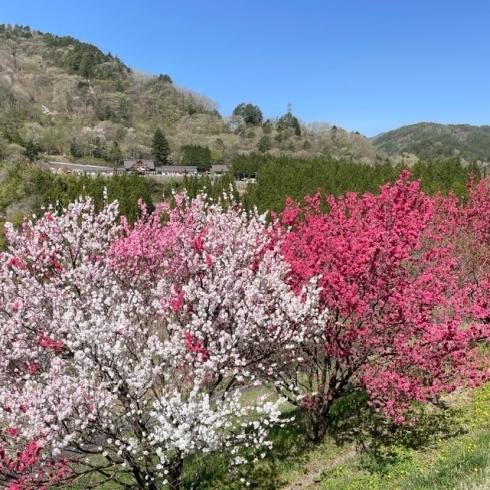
(23, 470)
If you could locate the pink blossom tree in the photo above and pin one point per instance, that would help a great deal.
(399, 326)
(128, 348)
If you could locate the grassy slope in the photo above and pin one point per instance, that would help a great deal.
(447, 450)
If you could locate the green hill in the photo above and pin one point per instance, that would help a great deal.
(432, 141)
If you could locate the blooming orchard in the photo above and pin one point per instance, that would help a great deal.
(126, 348)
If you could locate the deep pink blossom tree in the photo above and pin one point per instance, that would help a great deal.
(467, 228)
(23, 470)
(399, 326)
(128, 348)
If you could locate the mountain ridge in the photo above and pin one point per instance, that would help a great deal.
(61, 95)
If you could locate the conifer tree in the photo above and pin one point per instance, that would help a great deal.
(161, 148)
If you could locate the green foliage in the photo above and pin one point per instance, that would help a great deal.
(14, 31)
(264, 144)
(31, 150)
(267, 127)
(60, 190)
(246, 166)
(13, 137)
(251, 114)
(164, 78)
(76, 149)
(161, 148)
(445, 175)
(363, 450)
(86, 60)
(282, 177)
(115, 154)
(289, 121)
(196, 155)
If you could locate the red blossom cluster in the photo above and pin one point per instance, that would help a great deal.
(24, 471)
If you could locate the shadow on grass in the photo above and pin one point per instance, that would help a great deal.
(381, 443)
(213, 471)
(384, 443)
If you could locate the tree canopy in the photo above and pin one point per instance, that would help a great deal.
(251, 114)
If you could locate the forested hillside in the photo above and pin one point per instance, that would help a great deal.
(431, 141)
(59, 95)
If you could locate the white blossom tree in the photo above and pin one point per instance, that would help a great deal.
(127, 348)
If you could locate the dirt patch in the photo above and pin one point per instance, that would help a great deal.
(314, 469)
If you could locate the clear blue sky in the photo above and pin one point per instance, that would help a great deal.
(364, 65)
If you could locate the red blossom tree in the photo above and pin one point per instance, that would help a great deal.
(466, 223)
(24, 470)
(398, 318)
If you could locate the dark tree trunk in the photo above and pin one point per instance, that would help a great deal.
(175, 473)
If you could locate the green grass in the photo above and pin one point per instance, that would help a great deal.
(448, 448)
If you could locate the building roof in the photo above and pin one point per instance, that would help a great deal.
(129, 164)
(177, 169)
(219, 168)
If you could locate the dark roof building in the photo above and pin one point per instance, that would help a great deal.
(219, 169)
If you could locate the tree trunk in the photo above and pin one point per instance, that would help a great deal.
(175, 473)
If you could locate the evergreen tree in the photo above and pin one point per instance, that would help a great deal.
(31, 149)
(289, 121)
(115, 154)
(264, 144)
(161, 148)
(267, 127)
(197, 155)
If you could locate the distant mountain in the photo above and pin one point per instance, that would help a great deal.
(60, 96)
(431, 141)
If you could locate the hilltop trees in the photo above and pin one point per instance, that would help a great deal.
(251, 114)
(73, 90)
(289, 121)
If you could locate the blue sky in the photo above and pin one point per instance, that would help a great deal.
(364, 65)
